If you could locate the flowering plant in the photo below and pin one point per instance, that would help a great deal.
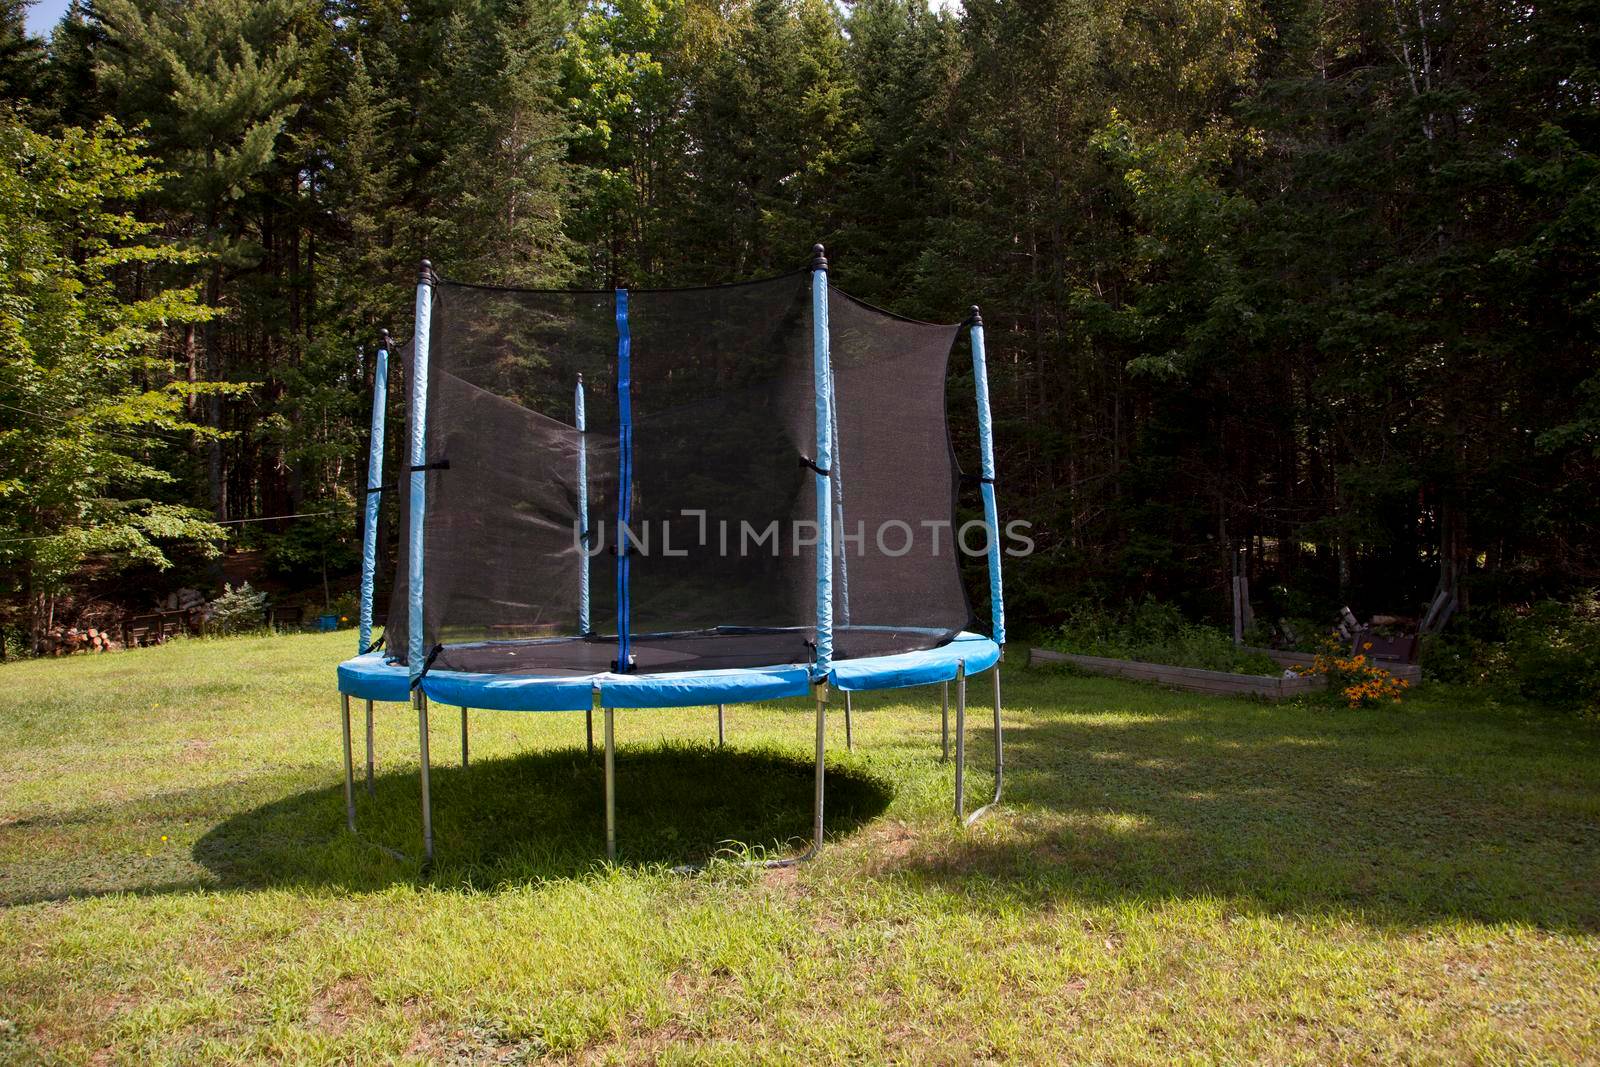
(1361, 681)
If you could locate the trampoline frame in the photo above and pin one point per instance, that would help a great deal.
(421, 703)
(414, 681)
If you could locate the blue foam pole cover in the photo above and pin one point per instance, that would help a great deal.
(625, 474)
(980, 373)
(415, 644)
(583, 510)
(838, 497)
(823, 381)
(369, 526)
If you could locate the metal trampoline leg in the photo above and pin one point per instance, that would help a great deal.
(961, 742)
(463, 737)
(944, 726)
(611, 787)
(999, 753)
(421, 700)
(722, 729)
(371, 788)
(588, 728)
(849, 739)
(349, 769)
(822, 740)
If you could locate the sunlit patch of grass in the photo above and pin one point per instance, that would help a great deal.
(1171, 877)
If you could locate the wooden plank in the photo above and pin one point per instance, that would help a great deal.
(1284, 658)
(1192, 679)
(1166, 670)
(1409, 672)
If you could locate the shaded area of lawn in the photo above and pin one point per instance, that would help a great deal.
(539, 815)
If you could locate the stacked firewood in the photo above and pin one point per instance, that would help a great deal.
(183, 600)
(63, 641)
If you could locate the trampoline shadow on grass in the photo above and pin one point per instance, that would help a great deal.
(540, 815)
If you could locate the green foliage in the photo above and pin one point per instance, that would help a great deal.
(92, 415)
(217, 81)
(22, 58)
(236, 611)
(346, 608)
(1548, 653)
(1155, 632)
(315, 546)
(1554, 653)
(1316, 278)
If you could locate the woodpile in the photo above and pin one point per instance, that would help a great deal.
(100, 626)
(184, 600)
(63, 641)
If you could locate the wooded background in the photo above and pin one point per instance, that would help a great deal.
(1319, 279)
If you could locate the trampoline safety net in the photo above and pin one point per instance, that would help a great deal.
(547, 533)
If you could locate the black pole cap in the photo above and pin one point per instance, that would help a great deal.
(819, 258)
(974, 317)
(383, 339)
(425, 273)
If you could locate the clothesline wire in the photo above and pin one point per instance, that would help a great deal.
(223, 522)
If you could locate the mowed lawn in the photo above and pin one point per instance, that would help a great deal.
(1171, 879)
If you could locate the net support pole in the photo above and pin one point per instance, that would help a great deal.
(624, 478)
(415, 645)
(369, 526)
(580, 421)
(838, 502)
(991, 517)
(822, 372)
(415, 657)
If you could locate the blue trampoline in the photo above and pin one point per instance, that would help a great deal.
(675, 498)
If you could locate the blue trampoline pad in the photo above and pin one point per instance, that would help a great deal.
(369, 677)
(927, 667)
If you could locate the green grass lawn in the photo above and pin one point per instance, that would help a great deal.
(1171, 878)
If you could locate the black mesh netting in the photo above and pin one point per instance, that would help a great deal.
(720, 540)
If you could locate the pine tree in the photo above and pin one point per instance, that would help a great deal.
(74, 93)
(22, 56)
(768, 120)
(903, 61)
(502, 182)
(217, 81)
(624, 78)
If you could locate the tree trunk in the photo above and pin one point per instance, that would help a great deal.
(219, 493)
(191, 361)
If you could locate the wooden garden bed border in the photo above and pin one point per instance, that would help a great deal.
(1192, 679)
(1409, 672)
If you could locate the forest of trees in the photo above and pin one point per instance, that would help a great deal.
(1314, 278)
